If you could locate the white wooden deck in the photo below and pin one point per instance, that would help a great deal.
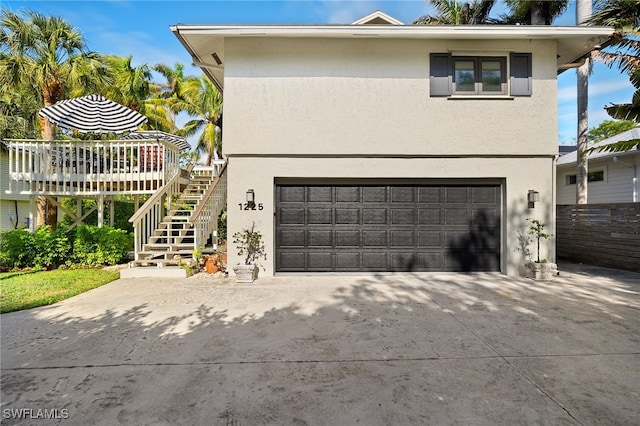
(90, 168)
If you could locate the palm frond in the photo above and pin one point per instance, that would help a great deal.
(620, 146)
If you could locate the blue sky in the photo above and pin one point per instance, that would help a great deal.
(141, 28)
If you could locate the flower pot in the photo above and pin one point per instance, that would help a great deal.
(246, 273)
(211, 264)
(541, 271)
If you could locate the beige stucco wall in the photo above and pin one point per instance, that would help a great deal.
(518, 177)
(309, 108)
(371, 97)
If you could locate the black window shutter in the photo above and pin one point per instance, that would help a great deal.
(440, 74)
(520, 74)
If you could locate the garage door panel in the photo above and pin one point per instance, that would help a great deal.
(319, 194)
(457, 216)
(320, 238)
(378, 227)
(429, 216)
(374, 194)
(320, 261)
(430, 238)
(374, 216)
(348, 261)
(402, 194)
(292, 260)
(375, 261)
(403, 238)
(431, 262)
(430, 195)
(465, 260)
(348, 194)
(291, 216)
(346, 238)
(319, 216)
(291, 193)
(403, 262)
(455, 195)
(375, 238)
(402, 216)
(347, 216)
(484, 217)
(292, 238)
(481, 195)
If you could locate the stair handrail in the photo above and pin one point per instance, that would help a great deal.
(149, 216)
(203, 226)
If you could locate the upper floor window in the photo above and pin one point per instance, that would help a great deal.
(480, 75)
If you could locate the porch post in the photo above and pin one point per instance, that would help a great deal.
(32, 207)
(112, 204)
(78, 207)
(100, 211)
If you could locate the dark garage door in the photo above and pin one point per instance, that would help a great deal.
(382, 227)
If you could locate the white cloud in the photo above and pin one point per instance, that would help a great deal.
(568, 94)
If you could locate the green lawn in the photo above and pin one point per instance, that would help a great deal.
(28, 290)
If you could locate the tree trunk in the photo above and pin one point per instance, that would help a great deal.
(47, 212)
(537, 14)
(583, 12)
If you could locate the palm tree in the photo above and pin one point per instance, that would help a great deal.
(48, 57)
(623, 52)
(583, 13)
(174, 77)
(624, 16)
(129, 85)
(202, 100)
(533, 12)
(454, 12)
(166, 98)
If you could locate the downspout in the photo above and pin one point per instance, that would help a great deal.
(634, 180)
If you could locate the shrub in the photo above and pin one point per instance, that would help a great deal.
(100, 246)
(85, 246)
(16, 248)
(51, 248)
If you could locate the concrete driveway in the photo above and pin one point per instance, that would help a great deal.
(335, 350)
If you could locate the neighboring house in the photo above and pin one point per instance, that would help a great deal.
(381, 147)
(14, 208)
(613, 176)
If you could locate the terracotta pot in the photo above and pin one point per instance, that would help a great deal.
(211, 264)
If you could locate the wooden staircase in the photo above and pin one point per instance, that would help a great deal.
(173, 241)
(179, 220)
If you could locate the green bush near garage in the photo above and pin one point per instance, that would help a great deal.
(45, 248)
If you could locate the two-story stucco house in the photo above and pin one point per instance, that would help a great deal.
(385, 147)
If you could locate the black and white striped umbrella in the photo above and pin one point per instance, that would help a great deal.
(179, 141)
(93, 114)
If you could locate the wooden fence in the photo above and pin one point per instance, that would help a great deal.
(600, 234)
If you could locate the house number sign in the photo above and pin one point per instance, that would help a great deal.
(251, 206)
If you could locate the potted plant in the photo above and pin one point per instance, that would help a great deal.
(251, 248)
(212, 263)
(541, 269)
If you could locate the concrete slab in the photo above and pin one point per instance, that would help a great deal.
(153, 272)
(329, 349)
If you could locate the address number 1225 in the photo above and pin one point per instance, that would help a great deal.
(246, 206)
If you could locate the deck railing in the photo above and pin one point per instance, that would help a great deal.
(205, 215)
(94, 167)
